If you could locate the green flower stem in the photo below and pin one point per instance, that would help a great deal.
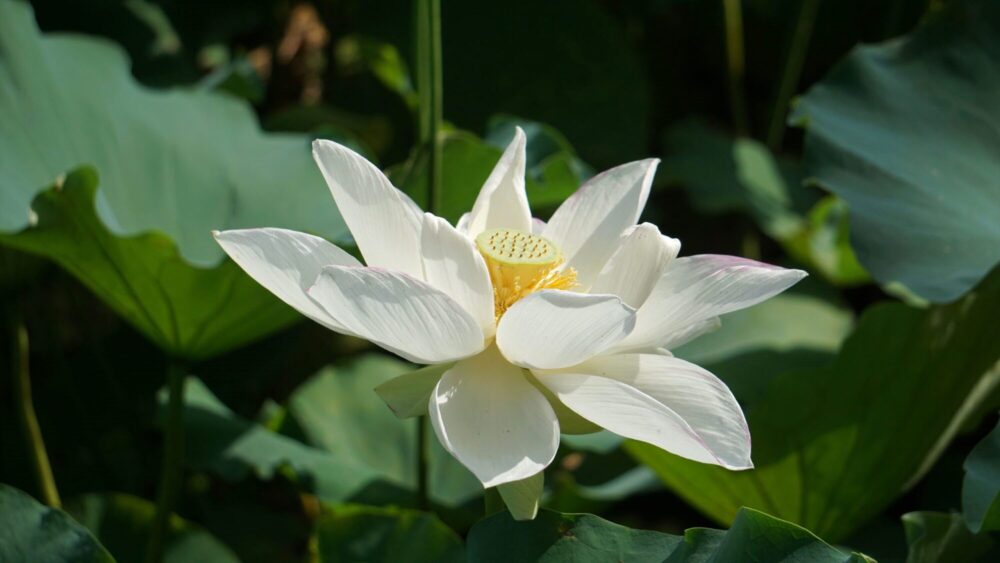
(493, 502)
(429, 90)
(794, 61)
(423, 497)
(736, 65)
(173, 457)
(29, 421)
(427, 16)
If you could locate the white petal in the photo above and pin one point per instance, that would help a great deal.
(641, 258)
(454, 265)
(537, 226)
(628, 412)
(522, 497)
(552, 329)
(502, 202)
(700, 398)
(697, 288)
(407, 395)
(587, 225)
(384, 222)
(681, 337)
(286, 263)
(462, 225)
(569, 421)
(493, 421)
(399, 313)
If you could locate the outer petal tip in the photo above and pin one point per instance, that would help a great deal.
(519, 135)
(286, 263)
(320, 143)
(650, 164)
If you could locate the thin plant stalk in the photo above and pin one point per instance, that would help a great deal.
(171, 471)
(423, 479)
(429, 89)
(29, 421)
(795, 60)
(736, 65)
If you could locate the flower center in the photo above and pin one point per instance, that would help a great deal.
(521, 263)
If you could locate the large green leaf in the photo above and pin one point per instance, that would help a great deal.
(935, 537)
(122, 523)
(835, 445)
(792, 332)
(33, 533)
(791, 321)
(218, 440)
(368, 533)
(174, 165)
(906, 133)
(723, 174)
(981, 486)
(189, 311)
(355, 448)
(339, 412)
(555, 537)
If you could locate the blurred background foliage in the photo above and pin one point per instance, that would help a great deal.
(129, 130)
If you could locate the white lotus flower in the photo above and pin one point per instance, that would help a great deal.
(528, 328)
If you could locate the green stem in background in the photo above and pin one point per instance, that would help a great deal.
(29, 421)
(430, 93)
(795, 59)
(429, 90)
(423, 496)
(171, 472)
(493, 502)
(750, 244)
(736, 65)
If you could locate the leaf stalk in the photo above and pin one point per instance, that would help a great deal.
(171, 471)
(29, 420)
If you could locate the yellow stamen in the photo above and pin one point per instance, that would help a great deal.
(521, 263)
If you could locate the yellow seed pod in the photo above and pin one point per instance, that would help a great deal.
(520, 263)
